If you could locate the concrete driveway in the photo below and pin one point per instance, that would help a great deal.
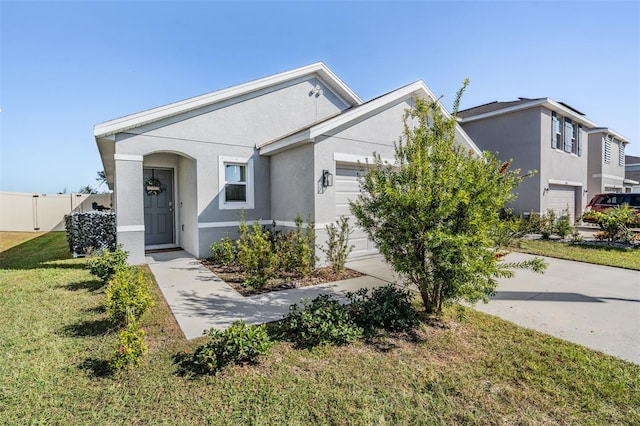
(594, 306)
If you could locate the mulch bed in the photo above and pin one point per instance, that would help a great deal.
(234, 276)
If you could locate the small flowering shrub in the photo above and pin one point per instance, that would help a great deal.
(321, 321)
(238, 344)
(130, 349)
(104, 263)
(128, 296)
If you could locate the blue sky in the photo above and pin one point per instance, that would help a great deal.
(66, 66)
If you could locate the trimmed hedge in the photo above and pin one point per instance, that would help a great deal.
(90, 231)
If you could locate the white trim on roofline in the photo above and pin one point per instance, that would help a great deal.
(145, 117)
(631, 182)
(545, 102)
(599, 175)
(564, 182)
(340, 157)
(128, 157)
(609, 131)
(417, 89)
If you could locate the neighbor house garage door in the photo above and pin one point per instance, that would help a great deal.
(561, 198)
(347, 188)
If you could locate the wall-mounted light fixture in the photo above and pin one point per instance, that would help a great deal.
(327, 178)
(544, 191)
(585, 191)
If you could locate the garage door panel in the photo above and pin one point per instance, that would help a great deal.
(562, 198)
(347, 188)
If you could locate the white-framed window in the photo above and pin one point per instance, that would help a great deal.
(621, 154)
(566, 135)
(235, 183)
(607, 150)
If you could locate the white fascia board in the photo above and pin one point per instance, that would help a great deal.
(417, 89)
(611, 132)
(159, 113)
(284, 143)
(631, 182)
(546, 102)
(363, 110)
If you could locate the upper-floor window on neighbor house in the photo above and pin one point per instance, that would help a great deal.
(607, 150)
(236, 183)
(565, 134)
(621, 154)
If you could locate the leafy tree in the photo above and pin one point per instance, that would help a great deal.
(433, 213)
(102, 178)
(87, 189)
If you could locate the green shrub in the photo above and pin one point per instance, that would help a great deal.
(323, 320)
(387, 307)
(254, 282)
(238, 344)
(563, 225)
(225, 251)
(506, 232)
(130, 349)
(304, 259)
(338, 247)
(283, 244)
(615, 223)
(255, 253)
(531, 224)
(128, 296)
(104, 263)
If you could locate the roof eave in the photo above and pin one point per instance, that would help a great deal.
(149, 116)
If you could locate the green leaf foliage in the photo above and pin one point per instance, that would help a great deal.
(128, 296)
(238, 344)
(432, 213)
(105, 263)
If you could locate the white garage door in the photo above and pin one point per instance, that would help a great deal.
(561, 198)
(347, 188)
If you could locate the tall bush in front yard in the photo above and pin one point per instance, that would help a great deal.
(432, 214)
(128, 296)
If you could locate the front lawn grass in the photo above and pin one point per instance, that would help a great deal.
(55, 342)
(628, 258)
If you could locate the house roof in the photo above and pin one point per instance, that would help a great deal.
(499, 108)
(111, 127)
(609, 132)
(354, 115)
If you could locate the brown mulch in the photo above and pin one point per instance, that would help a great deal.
(234, 276)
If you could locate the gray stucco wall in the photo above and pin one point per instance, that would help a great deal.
(603, 176)
(515, 136)
(227, 129)
(559, 166)
(293, 183)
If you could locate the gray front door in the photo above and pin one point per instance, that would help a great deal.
(158, 206)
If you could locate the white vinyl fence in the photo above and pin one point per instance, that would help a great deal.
(45, 212)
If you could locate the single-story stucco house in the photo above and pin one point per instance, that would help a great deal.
(276, 147)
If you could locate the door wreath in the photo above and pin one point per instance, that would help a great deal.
(153, 186)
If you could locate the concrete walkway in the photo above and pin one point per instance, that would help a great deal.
(595, 306)
(199, 300)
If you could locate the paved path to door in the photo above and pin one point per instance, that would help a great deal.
(199, 300)
(595, 306)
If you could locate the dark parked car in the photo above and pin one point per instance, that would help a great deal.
(602, 202)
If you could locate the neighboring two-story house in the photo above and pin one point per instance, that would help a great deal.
(538, 135)
(606, 161)
(574, 158)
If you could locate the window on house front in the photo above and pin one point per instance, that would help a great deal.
(556, 131)
(607, 150)
(569, 137)
(235, 183)
(566, 135)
